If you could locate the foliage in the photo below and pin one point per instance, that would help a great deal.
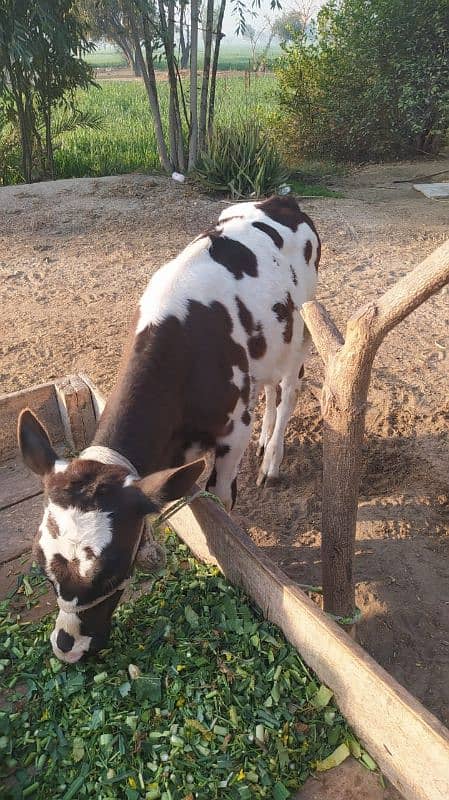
(125, 141)
(241, 161)
(197, 696)
(41, 64)
(373, 84)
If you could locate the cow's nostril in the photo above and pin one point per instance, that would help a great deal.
(64, 641)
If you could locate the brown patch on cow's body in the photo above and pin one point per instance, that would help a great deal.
(246, 389)
(256, 343)
(222, 450)
(235, 256)
(294, 275)
(53, 527)
(165, 398)
(212, 480)
(245, 316)
(274, 235)
(246, 417)
(286, 211)
(284, 313)
(233, 492)
(308, 251)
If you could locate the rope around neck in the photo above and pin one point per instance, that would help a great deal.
(106, 455)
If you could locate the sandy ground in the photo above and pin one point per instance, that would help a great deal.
(75, 256)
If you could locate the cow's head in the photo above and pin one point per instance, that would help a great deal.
(90, 533)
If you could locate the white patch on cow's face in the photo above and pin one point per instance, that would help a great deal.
(77, 530)
(70, 624)
(60, 465)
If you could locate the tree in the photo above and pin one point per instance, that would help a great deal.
(154, 25)
(106, 20)
(260, 40)
(296, 22)
(373, 84)
(41, 65)
(348, 365)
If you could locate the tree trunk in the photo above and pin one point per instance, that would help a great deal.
(50, 167)
(25, 127)
(175, 126)
(206, 72)
(213, 79)
(193, 132)
(184, 42)
(347, 375)
(135, 65)
(149, 79)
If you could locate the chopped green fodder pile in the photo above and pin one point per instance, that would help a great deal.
(197, 697)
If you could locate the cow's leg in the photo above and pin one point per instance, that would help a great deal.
(228, 455)
(269, 419)
(274, 451)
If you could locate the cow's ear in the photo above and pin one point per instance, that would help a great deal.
(170, 484)
(34, 444)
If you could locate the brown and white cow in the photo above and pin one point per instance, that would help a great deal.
(214, 326)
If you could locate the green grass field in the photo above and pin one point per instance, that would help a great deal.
(125, 140)
(232, 57)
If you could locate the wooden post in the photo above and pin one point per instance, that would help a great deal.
(348, 365)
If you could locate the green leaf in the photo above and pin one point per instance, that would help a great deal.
(280, 792)
(354, 747)
(148, 687)
(322, 697)
(337, 757)
(191, 616)
(78, 749)
(368, 761)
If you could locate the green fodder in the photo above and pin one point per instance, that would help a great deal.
(197, 696)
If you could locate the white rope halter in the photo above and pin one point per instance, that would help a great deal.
(105, 455)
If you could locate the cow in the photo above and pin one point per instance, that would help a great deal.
(215, 326)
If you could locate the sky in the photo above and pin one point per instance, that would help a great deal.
(230, 20)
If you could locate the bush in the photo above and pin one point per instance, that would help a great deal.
(241, 161)
(372, 84)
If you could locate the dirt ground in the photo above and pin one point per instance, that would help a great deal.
(75, 256)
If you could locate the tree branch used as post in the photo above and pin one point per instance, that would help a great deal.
(348, 365)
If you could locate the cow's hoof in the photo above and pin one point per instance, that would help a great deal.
(265, 480)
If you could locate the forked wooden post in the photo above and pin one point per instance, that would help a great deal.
(348, 365)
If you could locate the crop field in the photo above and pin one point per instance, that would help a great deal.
(232, 56)
(124, 140)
